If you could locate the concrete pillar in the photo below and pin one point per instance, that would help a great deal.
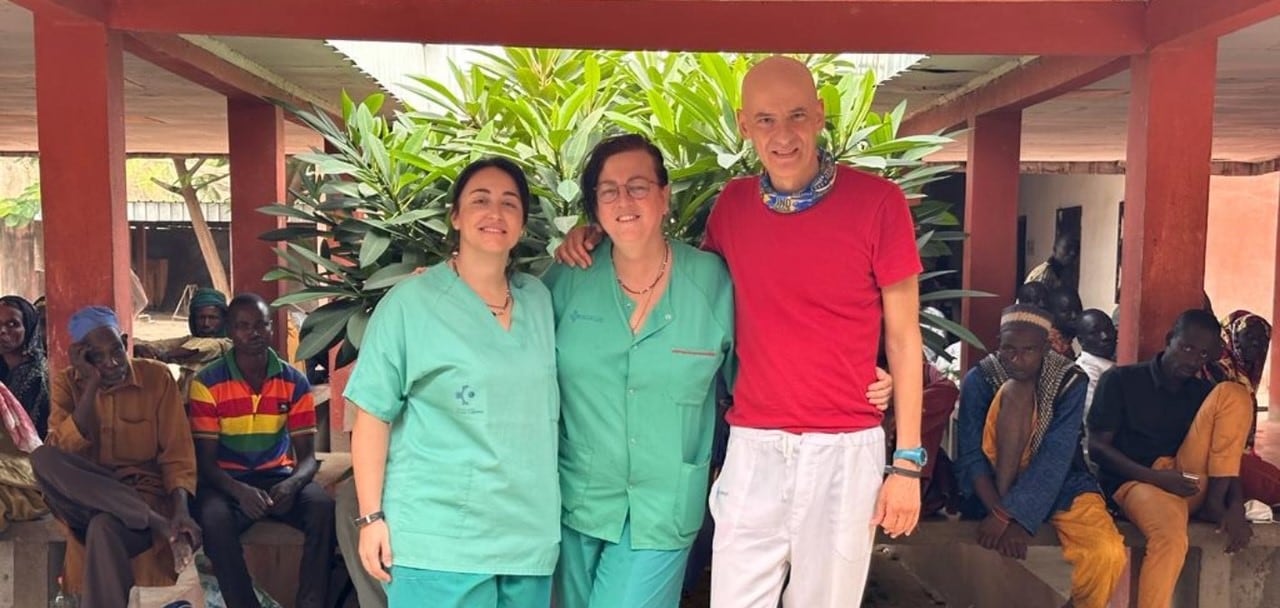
(991, 219)
(80, 118)
(1166, 212)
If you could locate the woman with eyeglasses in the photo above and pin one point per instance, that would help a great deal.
(641, 337)
(454, 444)
(644, 334)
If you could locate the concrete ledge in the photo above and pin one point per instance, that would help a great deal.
(950, 532)
(945, 555)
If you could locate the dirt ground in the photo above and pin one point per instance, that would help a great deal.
(159, 327)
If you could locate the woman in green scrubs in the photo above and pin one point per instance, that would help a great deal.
(641, 336)
(454, 443)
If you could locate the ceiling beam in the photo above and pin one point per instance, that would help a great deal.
(1013, 27)
(215, 66)
(1180, 21)
(1225, 168)
(83, 10)
(1020, 86)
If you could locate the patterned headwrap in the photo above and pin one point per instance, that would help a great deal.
(206, 296)
(807, 196)
(1057, 373)
(1026, 314)
(1234, 326)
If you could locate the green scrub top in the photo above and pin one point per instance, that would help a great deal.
(638, 411)
(470, 482)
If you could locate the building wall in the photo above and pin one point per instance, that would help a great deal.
(1240, 261)
(1040, 197)
(22, 261)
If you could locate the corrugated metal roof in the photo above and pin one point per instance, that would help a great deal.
(163, 212)
(167, 211)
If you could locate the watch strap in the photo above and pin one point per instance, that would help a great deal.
(917, 455)
(892, 470)
(365, 520)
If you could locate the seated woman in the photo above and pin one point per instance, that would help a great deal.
(1246, 340)
(23, 367)
(454, 444)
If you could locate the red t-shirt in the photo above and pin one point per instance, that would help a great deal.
(807, 299)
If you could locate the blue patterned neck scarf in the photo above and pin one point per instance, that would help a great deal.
(806, 197)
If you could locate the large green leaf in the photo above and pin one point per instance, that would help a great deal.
(389, 275)
(323, 327)
(375, 244)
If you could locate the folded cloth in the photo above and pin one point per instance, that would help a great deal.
(1258, 512)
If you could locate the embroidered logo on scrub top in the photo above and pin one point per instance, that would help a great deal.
(578, 316)
(464, 397)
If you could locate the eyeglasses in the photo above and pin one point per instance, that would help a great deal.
(637, 189)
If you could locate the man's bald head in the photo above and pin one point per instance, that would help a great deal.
(782, 116)
(778, 71)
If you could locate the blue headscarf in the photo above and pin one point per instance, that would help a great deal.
(90, 318)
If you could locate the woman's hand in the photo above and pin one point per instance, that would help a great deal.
(375, 550)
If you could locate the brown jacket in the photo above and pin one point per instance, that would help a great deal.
(144, 437)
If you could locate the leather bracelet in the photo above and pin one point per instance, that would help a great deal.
(361, 522)
(892, 470)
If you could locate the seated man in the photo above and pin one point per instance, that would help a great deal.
(1019, 458)
(118, 468)
(254, 423)
(1156, 432)
(206, 318)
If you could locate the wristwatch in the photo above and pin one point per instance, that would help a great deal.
(917, 455)
(361, 522)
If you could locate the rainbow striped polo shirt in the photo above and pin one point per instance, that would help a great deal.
(252, 430)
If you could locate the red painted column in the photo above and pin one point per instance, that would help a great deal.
(255, 140)
(991, 219)
(255, 130)
(80, 116)
(1166, 211)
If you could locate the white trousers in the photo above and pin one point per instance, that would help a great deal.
(800, 504)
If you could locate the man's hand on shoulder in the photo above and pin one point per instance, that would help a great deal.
(575, 251)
